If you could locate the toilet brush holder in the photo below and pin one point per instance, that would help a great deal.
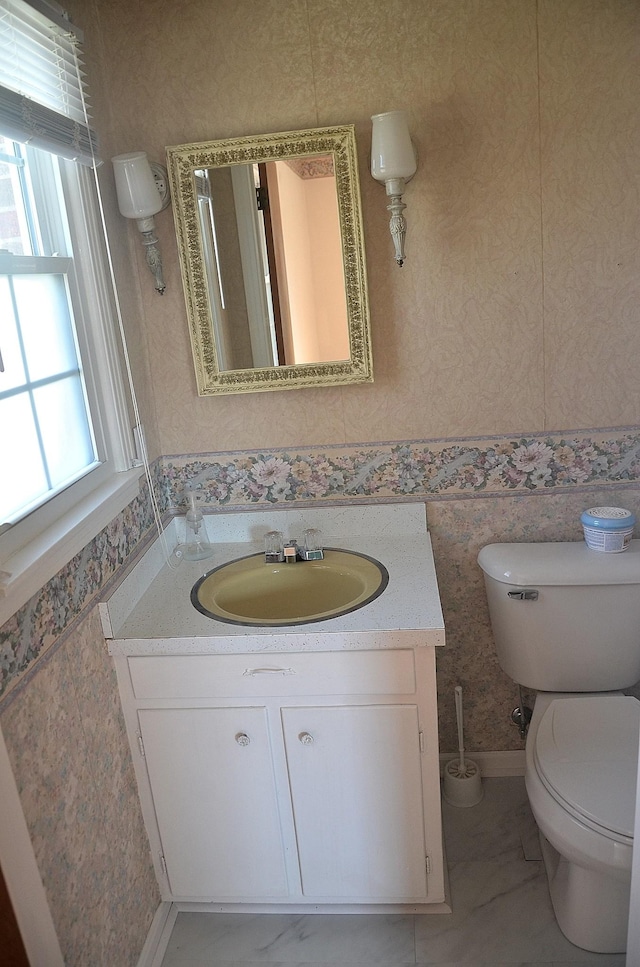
(462, 780)
(462, 783)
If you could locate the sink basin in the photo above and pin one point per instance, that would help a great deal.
(249, 592)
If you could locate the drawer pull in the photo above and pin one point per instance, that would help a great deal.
(242, 738)
(306, 738)
(269, 671)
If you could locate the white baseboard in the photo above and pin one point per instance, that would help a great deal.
(492, 765)
(313, 909)
(155, 945)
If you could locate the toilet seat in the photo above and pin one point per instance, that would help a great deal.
(586, 755)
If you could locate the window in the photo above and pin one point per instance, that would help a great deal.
(46, 421)
(62, 408)
(64, 425)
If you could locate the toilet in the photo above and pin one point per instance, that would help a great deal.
(566, 622)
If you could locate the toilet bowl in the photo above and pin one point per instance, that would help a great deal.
(581, 763)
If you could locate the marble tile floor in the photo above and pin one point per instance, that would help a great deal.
(501, 916)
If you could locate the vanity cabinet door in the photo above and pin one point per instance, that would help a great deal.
(356, 788)
(214, 793)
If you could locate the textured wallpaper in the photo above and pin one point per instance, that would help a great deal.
(517, 308)
(70, 756)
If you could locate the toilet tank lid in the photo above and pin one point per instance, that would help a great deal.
(559, 563)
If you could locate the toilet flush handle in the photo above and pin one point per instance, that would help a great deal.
(528, 594)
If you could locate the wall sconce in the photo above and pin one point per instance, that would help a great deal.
(394, 162)
(143, 191)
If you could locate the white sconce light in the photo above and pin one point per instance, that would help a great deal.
(393, 161)
(143, 191)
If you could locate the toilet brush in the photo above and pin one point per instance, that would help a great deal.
(462, 779)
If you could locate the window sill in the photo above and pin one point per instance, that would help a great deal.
(29, 569)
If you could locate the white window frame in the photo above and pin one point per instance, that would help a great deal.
(35, 548)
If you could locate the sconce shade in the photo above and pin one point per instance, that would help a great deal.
(138, 196)
(392, 153)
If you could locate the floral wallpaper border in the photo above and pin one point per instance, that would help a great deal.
(417, 470)
(52, 613)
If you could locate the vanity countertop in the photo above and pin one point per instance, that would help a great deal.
(151, 611)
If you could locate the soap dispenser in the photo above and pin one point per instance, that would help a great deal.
(197, 546)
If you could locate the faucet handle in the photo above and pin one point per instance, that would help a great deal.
(313, 545)
(273, 547)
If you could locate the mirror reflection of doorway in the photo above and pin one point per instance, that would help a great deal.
(309, 267)
(270, 233)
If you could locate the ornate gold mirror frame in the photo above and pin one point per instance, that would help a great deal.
(183, 162)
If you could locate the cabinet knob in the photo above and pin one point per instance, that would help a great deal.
(306, 738)
(242, 738)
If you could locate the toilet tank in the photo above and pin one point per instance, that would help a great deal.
(564, 617)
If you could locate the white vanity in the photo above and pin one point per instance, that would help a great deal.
(295, 767)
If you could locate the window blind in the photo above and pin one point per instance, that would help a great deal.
(42, 90)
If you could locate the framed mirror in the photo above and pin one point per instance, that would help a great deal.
(272, 257)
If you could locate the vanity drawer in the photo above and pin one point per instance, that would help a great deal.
(325, 673)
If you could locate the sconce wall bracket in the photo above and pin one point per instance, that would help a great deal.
(154, 259)
(161, 178)
(397, 226)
